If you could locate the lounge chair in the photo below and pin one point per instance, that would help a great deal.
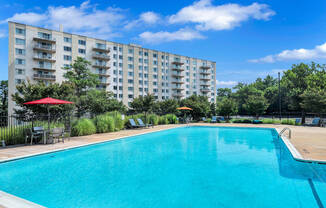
(203, 119)
(315, 122)
(141, 123)
(214, 119)
(133, 123)
(257, 122)
(298, 121)
(220, 118)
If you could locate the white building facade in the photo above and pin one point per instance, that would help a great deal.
(128, 70)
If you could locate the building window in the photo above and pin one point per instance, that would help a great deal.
(155, 62)
(130, 96)
(120, 57)
(115, 56)
(130, 74)
(140, 53)
(19, 81)
(66, 48)
(67, 40)
(20, 31)
(20, 41)
(154, 55)
(120, 49)
(130, 58)
(146, 61)
(20, 51)
(82, 51)
(130, 66)
(120, 64)
(67, 58)
(82, 42)
(130, 89)
(130, 81)
(130, 51)
(20, 61)
(115, 48)
(20, 71)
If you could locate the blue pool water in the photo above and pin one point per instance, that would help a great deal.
(184, 167)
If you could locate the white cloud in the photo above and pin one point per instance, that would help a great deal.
(3, 34)
(207, 16)
(226, 83)
(28, 18)
(164, 36)
(148, 18)
(85, 19)
(318, 52)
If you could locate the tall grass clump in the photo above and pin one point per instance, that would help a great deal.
(83, 127)
(270, 121)
(172, 118)
(163, 120)
(118, 122)
(153, 119)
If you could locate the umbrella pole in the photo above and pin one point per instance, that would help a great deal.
(48, 120)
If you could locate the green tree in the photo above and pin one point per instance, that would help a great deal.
(199, 104)
(100, 101)
(4, 97)
(227, 107)
(28, 92)
(166, 107)
(255, 105)
(143, 104)
(83, 80)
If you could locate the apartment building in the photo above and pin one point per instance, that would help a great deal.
(128, 70)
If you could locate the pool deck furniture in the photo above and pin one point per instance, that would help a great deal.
(214, 119)
(38, 133)
(315, 122)
(141, 123)
(133, 123)
(298, 121)
(257, 122)
(56, 134)
(203, 119)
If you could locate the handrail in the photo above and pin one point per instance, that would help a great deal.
(283, 130)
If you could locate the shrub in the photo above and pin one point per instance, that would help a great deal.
(208, 120)
(101, 123)
(118, 122)
(270, 121)
(288, 122)
(163, 120)
(111, 124)
(83, 127)
(153, 119)
(242, 121)
(172, 118)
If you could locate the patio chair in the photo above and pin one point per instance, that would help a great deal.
(214, 119)
(220, 118)
(133, 123)
(56, 133)
(34, 133)
(315, 122)
(141, 123)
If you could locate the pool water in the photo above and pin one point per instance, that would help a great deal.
(182, 167)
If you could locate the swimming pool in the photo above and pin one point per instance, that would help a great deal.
(182, 167)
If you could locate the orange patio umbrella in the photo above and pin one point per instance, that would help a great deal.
(184, 108)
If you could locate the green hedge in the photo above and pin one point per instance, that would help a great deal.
(288, 122)
(163, 120)
(83, 127)
(242, 120)
(270, 121)
(172, 118)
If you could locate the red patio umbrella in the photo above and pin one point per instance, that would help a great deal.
(48, 101)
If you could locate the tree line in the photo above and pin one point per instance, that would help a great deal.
(302, 89)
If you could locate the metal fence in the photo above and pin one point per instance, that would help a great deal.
(13, 128)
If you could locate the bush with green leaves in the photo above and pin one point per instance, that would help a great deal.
(163, 120)
(288, 122)
(153, 119)
(242, 120)
(270, 121)
(83, 127)
(118, 122)
(172, 118)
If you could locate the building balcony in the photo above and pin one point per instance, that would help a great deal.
(104, 83)
(205, 84)
(178, 69)
(204, 72)
(43, 68)
(101, 56)
(44, 77)
(100, 49)
(177, 63)
(177, 75)
(44, 48)
(103, 74)
(44, 58)
(205, 78)
(102, 66)
(177, 81)
(177, 95)
(205, 67)
(205, 90)
(44, 39)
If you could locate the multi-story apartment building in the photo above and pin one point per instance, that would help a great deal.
(128, 70)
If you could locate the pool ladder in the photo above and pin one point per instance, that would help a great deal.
(286, 128)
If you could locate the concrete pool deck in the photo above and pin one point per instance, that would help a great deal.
(310, 142)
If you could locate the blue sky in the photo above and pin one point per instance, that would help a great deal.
(247, 39)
